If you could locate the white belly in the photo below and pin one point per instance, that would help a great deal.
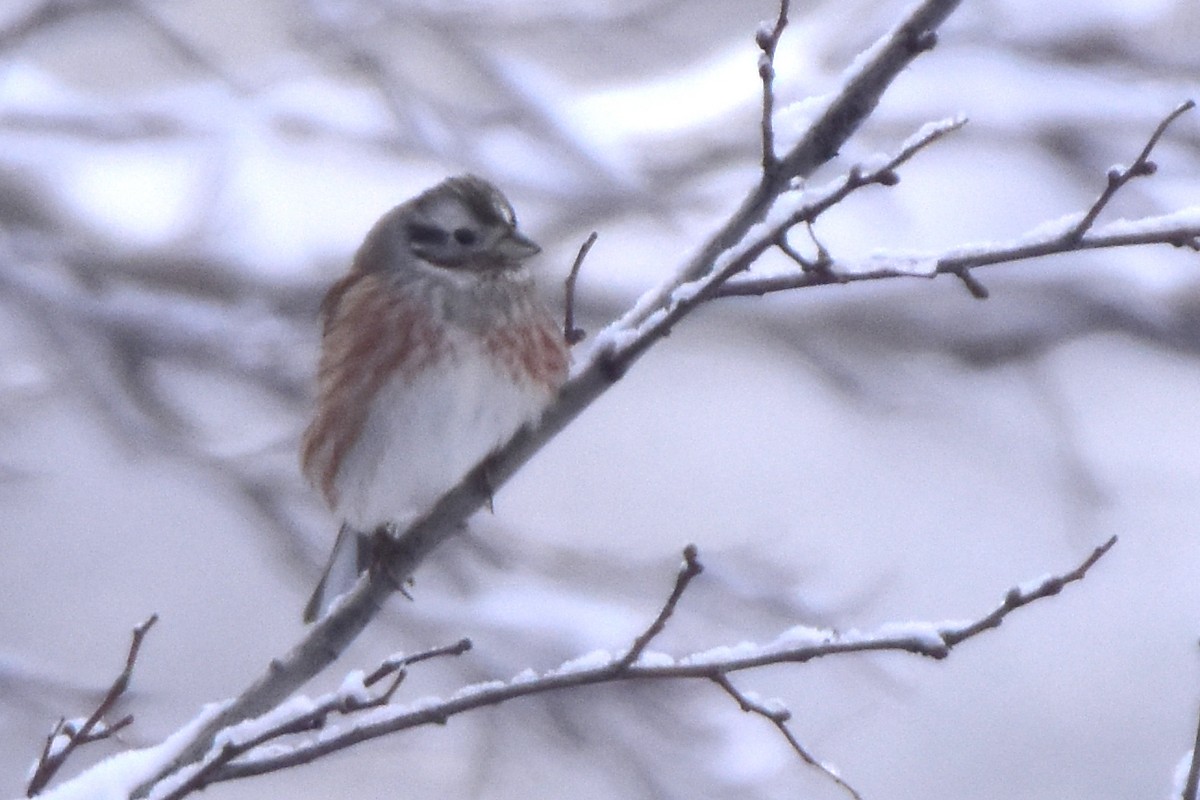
(424, 433)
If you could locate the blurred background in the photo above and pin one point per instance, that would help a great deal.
(181, 180)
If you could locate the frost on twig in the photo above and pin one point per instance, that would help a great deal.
(239, 752)
(70, 734)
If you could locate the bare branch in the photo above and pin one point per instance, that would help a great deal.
(798, 645)
(1118, 177)
(572, 334)
(689, 569)
(977, 289)
(397, 663)
(57, 750)
(863, 85)
(352, 698)
(884, 174)
(779, 716)
(767, 38)
(1018, 597)
(1181, 229)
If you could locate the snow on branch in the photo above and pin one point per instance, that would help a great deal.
(777, 203)
(67, 735)
(1072, 233)
(254, 747)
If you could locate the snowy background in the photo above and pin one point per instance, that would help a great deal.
(180, 181)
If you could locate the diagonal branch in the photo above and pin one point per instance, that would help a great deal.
(1118, 177)
(795, 646)
(767, 38)
(1180, 229)
(862, 87)
(690, 568)
(57, 750)
(572, 334)
(779, 716)
(352, 698)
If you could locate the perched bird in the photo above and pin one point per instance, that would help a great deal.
(436, 349)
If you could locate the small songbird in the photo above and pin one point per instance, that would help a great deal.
(436, 349)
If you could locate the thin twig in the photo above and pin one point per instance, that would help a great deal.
(767, 39)
(883, 175)
(1118, 177)
(232, 746)
(1183, 233)
(1018, 598)
(572, 334)
(779, 718)
(689, 569)
(93, 728)
(395, 663)
(977, 289)
(793, 647)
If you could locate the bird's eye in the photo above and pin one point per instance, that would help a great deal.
(465, 236)
(426, 234)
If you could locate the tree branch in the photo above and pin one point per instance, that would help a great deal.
(778, 716)
(572, 334)
(351, 698)
(1179, 229)
(767, 38)
(690, 568)
(797, 645)
(70, 734)
(1118, 177)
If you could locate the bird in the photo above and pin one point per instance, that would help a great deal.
(436, 348)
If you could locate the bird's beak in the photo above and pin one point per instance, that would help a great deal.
(517, 247)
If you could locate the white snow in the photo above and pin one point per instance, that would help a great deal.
(596, 659)
(58, 744)
(286, 711)
(653, 658)
(1184, 218)
(920, 265)
(477, 688)
(792, 121)
(803, 636)
(526, 675)
(116, 777)
(932, 129)
(928, 634)
(353, 688)
(1026, 588)
(1049, 230)
(722, 653)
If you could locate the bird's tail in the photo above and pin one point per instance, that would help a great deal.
(350, 558)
